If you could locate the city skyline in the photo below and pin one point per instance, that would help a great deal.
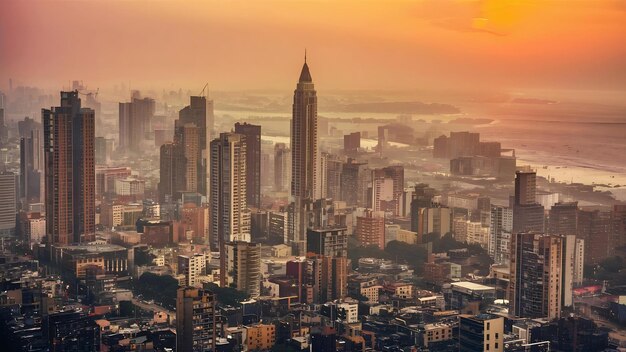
(460, 205)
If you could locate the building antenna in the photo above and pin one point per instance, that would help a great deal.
(305, 55)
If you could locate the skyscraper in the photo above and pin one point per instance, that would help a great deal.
(31, 167)
(282, 167)
(200, 112)
(243, 267)
(500, 233)
(525, 187)
(421, 200)
(528, 215)
(537, 275)
(230, 216)
(355, 178)
(70, 171)
(171, 172)
(563, 219)
(252, 134)
(332, 182)
(196, 326)
(188, 137)
(304, 156)
(8, 203)
(135, 119)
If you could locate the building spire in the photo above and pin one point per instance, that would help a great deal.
(305, 75)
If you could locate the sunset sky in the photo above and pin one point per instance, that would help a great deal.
(259, 44)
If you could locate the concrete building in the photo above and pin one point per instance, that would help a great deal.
(252, 140)
(69, 171)
(352, 143)
(528, 215)
(355, 180)
(192, 266)
(8, 205)
(370, 229)
(304, 157)
(199, 112)
(196, 324)
(282, 167)
(537, 275)
(230, 216)
(243, 267)
(135, 122)
(260, 337)
(500, 233)
(437, 332)
(483, 332)
(328, 241)
(31, 168)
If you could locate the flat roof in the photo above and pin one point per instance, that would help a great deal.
(472, 286)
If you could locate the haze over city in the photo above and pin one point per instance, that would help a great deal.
(354, 176)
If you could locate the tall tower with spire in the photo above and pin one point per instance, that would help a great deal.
(304, 156)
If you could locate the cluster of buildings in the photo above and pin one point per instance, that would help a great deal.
(189, 249)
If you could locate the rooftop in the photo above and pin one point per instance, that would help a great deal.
(471, 286)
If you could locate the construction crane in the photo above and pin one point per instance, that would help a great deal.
(203, 89)
(90, 94)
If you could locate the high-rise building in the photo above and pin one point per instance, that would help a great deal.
(135, 119)
(282, 167)
(355, 179)
(618, 226)
(192, 266)
(200, 113)
(537, 275)
(304, 157)
(528, 215)
(31, 168)
(563, 219)
(573, 265)
(103, 151)
(8, 207)
(4, 129)
(351, 143)
(500, 230)
(252, 139)
(387, 189)
(328, 241)
(525, 187)
(188, 137)
(422, 199)
(230, 216)
(594, 226)
(334, 166)
(243, 267)
(70, 171)
(172, 172)
(370, 229)
(196, 323)
(483, 332)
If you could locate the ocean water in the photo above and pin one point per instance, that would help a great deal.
(567, 142)
(581, 144)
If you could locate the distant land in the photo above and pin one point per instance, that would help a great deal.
(409, 107)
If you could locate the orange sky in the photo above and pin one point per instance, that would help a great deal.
(258, 44)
